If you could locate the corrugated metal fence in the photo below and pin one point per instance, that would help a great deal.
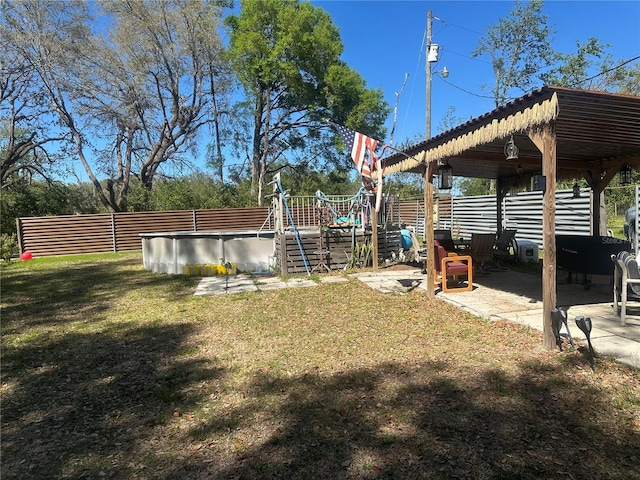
(117, 232)
(522, 212)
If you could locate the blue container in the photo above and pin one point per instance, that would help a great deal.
(405, 239)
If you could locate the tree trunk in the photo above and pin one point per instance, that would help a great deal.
(256, 148)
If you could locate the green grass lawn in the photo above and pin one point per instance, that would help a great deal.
(110, 371)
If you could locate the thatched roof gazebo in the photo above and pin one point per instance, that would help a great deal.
(561, 133)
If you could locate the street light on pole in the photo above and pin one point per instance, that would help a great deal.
(444, 172)
(431, 57)
(428, 72)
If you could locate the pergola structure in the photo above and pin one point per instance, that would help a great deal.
(561, 133)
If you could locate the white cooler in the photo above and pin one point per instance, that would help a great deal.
(527, 251)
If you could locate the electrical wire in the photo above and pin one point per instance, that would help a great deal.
(606, 71)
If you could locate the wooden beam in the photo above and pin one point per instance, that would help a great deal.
(598, 179)
(374, 224)
(545, 140)
(501, 192)
(428, 228)
(374, 238)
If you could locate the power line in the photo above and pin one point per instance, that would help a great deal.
(465, 91)
(606, 71)
(571, 86)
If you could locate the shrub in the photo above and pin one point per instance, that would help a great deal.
(8, 246)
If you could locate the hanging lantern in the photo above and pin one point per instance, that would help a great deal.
(576, 190)
(625, 175)
(510, 149)
(445, 176)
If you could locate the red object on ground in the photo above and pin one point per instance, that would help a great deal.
(26, 256)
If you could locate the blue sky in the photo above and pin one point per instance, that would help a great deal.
(383, 40)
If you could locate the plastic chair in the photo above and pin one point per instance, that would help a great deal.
(449, 264)
(505, 247)
(626, 283)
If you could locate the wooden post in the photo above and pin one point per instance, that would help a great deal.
(428, 227)
(500, 194)
(545, 140)
(284, 268)
(19, 230)
(374, 220)
(598, 180)
(374, 237)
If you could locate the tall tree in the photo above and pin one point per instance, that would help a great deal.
(172, 73)
(287, 56)
(522, 58)
(135, 92)
(49, 37)
(519, 45)
(25, 131)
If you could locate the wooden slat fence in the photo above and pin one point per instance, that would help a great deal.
(66, 235)
(119, 232)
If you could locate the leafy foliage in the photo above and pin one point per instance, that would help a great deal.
(134, 99)
(619, 198)
(286, 55)
(519, 45)
(470, 187)
(8, 246)
(39, 198)
(405, 185)
(195, 192)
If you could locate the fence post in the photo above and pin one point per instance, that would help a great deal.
(114, 239)
(195, 220)
(283, 253)
(19, 230)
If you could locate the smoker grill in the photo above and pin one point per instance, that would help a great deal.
(588, 255)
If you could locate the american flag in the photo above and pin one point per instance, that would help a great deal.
(358, 144)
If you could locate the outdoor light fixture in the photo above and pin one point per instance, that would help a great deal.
(625, 175)
(539, 183)
(445, 175)
(584, 324)
(576, 190)
(510, 149)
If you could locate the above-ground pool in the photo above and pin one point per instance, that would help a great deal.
(177, 252)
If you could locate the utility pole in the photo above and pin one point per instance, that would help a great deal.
(428, 73)
(428, 175)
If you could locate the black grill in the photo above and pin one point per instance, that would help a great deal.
(588, 255)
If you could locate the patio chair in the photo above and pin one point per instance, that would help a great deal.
(481, 248)
(505, 247)
(626, 283)
(444, 238)
(451, 265)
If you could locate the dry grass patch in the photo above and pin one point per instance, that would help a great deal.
(109, 371)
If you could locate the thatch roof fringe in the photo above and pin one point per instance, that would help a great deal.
(405, 165)
(523, 120)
